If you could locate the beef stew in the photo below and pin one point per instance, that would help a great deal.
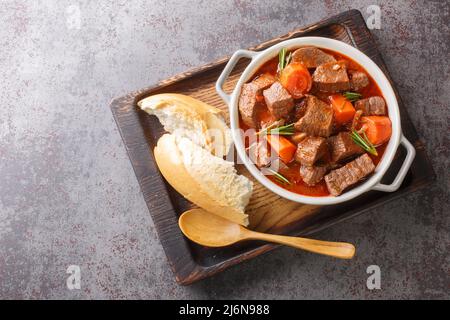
(322, 117)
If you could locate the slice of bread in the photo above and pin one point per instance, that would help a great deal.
(187, 117)
(206, 180)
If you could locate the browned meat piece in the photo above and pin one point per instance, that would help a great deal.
(258, 152)
(312, 175)
(340, 179)
(358, 80)
(331, 77)
(342, 147)
(278, 100)
(311, 149)
(248, 104)
(264, 81)
(311, 57)
(247, 100)
(373, 106)
(318, 118)
(300, 109)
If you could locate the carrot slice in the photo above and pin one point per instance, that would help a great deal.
(378, 128)
(296, 79)
(282, 146)
(343, 109)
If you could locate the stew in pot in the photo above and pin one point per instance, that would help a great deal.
(319, 123)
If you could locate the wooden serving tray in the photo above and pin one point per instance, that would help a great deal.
(267, 211)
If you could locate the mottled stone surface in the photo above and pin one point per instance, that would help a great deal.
(68, 194)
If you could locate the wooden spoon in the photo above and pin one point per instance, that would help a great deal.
(210, 230)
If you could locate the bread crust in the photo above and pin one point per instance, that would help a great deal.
(170, 162)
(183, 110)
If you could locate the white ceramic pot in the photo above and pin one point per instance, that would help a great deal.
(373, 183)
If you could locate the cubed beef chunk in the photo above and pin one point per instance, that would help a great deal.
(248, 101)
(311, 57)
(318, 118)
(264, 81)
(278, 100)
(340, 179)
(300, 109)
(342, 146)
(312, 175)
(331, 77)
(373, 106)
(258, 153)
(358, 80)
(311, 149)
(248, 104)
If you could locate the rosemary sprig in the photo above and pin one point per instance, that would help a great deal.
(288, 59)
(352, 96)
(283, 61)
(279, 176)
(286, 130)
(363, 142)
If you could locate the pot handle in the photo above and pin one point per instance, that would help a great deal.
(227, 70)
(411, 153)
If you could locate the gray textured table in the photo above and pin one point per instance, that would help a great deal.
(68, 195)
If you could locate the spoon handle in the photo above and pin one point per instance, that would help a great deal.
(340, 250)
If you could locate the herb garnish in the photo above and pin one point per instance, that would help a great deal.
(288, 59)
(363, 142)
(286, 130)
(282, 60)
(279, 176)
(352, 96)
